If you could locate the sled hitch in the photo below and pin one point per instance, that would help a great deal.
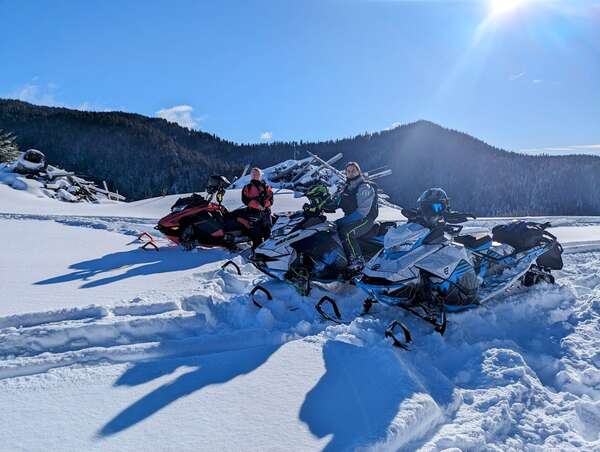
(336, 310)
(263, 290)
(389, 332)
(233, 264)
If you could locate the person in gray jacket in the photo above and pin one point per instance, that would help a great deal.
(359, 202)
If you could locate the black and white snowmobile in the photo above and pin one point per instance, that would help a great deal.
(305, 247)
(432, 265)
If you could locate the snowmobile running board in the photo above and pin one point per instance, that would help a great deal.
(389, 332)
(263, 290)
(236, 266)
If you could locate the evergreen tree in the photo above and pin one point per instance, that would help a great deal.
(9, 150)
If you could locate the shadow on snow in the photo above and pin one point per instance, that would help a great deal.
(135, 263)
(359, 396)
(210, 370)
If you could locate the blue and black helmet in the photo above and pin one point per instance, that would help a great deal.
(433, 203)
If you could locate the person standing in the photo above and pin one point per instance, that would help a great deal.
(257, 195)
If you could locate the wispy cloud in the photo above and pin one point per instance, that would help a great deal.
(36, 93)
(537, 80)
(393, 126)
(46, 94)
(266, 136)
(580, 149)
(514, 77)
(180, 114)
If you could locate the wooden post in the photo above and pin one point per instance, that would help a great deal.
(106, 188)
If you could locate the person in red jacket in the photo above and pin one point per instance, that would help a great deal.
(257, 195)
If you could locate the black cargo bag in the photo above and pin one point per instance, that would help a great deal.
(521, 235)
(552, 259)
(524, 235)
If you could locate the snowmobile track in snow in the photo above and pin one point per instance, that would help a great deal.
(222, 319)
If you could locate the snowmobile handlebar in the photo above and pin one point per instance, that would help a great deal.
(450, 217)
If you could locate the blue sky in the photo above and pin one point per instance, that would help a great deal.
(527, 78)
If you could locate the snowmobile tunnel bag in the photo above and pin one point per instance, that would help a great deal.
(521, 235)
(552, 259)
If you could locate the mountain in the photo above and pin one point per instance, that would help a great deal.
(143, 157)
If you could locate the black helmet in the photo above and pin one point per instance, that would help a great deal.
(432, 204)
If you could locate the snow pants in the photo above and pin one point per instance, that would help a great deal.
(350, 232)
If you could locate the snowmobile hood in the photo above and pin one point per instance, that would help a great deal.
(393, 269)
(404, 238)
(174, 218)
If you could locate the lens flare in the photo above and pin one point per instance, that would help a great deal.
(499, 7)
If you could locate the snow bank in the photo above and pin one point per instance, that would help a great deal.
(105, 347)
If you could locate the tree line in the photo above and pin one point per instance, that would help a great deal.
(144, 157)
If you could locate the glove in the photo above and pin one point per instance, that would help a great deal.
(310, 209)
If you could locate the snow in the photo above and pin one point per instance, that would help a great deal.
(107, 347)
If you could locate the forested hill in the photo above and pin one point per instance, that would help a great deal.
(145, 157)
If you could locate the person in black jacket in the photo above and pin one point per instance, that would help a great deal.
(359, 202)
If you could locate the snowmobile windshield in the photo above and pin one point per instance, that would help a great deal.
(405, 237)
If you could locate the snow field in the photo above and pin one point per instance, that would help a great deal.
(122, 348)
(518, 373)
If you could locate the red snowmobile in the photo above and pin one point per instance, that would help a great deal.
(198, 221)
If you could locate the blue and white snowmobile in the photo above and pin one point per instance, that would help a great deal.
(432, 265)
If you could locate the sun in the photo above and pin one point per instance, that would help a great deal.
(500, 7)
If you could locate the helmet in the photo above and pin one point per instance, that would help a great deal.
(432, 204)
(317, 196)
(317, 192)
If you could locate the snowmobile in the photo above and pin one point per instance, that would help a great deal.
(305, 247)
(196, 220)
(430, 271)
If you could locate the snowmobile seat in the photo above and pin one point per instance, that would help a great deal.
(375, 234)
(195, 200)
(474, 243)
(313, 221)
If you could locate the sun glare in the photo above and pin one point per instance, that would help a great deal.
(499, 7)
